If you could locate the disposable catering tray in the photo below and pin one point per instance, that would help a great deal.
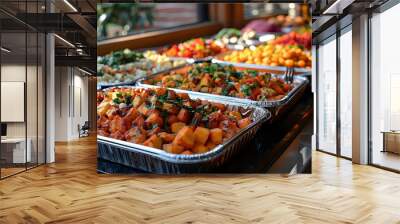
(101, 85)
(158, 161)
(193, 60)
(217, 59)
(299, 83)
(189, 60)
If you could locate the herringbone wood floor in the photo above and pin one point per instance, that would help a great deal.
(70, 191)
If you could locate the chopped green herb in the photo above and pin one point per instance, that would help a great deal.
(252, 73)
(117, 100)
(245, 89)
(128, 99)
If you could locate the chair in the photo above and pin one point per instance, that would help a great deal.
(84, 130)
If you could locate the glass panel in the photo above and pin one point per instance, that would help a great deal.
(346, 94)
(120, 19)
(385, 84)
(41, 99)
(31, 88)
(327, 97)
(31, 98)
(13, 80)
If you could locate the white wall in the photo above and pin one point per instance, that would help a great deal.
(34, 125)
(71, 102)
(12, 73)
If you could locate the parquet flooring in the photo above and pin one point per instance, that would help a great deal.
(70, 191)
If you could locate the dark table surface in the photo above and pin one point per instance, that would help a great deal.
(270, 142)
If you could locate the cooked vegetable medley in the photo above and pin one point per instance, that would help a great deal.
(234, 36)
(272, 55)
(127, 65)
(224, 80)
(167, 120)
(195, 48)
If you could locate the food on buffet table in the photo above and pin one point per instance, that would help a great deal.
(276, 24)
(195, 48)
(289, 21)
(272, 55)
(294, 38)
(232, 36)
(127, 65)
(262, 26)
(224, 80)
(166, 120)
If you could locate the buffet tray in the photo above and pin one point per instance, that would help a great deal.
(131, 83)
(217, 59)
(193, 60)
(158, 161)
(299, 83)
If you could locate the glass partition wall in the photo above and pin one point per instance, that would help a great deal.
(385, 89)
(334, 94)
(345, 93)
(22, 77)
(326, 69)
(334, 105)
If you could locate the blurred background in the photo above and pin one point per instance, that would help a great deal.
(121, 19)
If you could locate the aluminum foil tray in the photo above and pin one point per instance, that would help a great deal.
(299, 83)
(217, 59)
(108, 85)
(158, 161)
(193, 60)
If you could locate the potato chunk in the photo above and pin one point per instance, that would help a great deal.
(187, 152)
(200, 149)
(155, 118)
(154, 141)
(201, 135)
(166, 137)
(177, 126)
(143, 109)
(244, 122)
(185, 137)
(173, 148)
(216, 135)
(210, 145)
(103, 108)
(137, 101)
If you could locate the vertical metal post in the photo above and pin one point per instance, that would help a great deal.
(26, 87)
(316, 85)
(369, 79)
(0, 95)
(338, 97)
(37, 90)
